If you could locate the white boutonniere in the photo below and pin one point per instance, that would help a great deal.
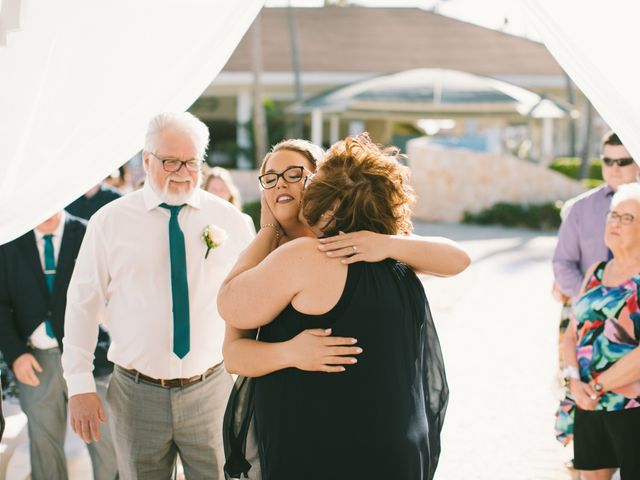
(213, 237)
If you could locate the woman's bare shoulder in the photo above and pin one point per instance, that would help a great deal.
(299, 252)
(299, 245)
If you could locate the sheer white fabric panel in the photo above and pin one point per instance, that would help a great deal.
(80, 79)
(596, 43)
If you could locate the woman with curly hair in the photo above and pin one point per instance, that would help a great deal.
(380, 417)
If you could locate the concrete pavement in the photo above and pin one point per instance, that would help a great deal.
(497, 324)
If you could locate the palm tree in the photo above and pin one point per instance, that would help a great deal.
(259, 121)
(295, 64)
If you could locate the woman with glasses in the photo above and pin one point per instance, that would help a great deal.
(601, 350)
(320, 411)
(284, 173)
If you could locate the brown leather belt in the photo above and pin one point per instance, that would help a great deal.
(173, 382)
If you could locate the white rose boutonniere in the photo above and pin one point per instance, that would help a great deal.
(213, 237)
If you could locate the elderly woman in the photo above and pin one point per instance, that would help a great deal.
(380, 417)
(602, 350)
(218, 181)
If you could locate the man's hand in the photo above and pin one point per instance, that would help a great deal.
(362, 246)
(86, 414)
(316, 351)
(25, 368)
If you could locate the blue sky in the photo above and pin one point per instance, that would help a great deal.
(488, 13)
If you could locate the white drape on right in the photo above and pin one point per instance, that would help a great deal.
(597, 44)
(80, 79)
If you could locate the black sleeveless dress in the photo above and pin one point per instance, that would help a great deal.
(381, 418)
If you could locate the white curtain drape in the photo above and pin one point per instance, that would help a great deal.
(596, 43)
(79, 80)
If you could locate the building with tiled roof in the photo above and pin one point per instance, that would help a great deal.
(341, 45)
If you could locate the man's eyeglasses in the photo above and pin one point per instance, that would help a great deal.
(622, 162)
(624, 219)
(290, 175)
(174, 165)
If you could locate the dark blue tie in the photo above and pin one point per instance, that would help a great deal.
(49, 275)
(179, 285)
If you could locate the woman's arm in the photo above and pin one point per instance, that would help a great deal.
(311, 350)
(431, 255)
(624, 372)
(261, 285)
(269, 282)
(585, 397)
(582, 392)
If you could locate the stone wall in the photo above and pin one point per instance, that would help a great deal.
(448, 181)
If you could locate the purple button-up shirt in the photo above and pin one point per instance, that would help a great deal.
(581, 239)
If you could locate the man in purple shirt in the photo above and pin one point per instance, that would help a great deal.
(581, 235)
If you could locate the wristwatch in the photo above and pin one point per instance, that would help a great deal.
(597, 387)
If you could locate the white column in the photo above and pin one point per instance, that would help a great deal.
(334, 129)
(243, 116)
(356, 127)
(547, 140)
(316, 126)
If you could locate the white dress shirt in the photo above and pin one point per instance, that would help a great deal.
(122, 278)
(39, 338)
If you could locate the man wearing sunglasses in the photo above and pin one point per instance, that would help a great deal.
(581, 235)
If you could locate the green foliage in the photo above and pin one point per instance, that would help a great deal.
(543, 216)
(277, 123)
(592, 182)
(570, 166)
(253, 210)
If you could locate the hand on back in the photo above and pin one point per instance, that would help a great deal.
(316, 350)
(362, 246)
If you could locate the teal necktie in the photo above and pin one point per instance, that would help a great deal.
(179, 286)
(49, 275)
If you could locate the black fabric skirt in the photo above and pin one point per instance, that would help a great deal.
(607, 440)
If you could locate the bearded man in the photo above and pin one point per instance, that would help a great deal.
(149, 268)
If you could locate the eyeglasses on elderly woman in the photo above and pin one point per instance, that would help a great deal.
(290, 175)
(624, 219)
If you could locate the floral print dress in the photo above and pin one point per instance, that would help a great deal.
(608, 326)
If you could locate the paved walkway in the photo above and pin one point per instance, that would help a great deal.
(497, 324)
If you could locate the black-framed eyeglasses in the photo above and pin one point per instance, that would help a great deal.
(622, 162)
(289, 174)
(624, 219)
(174, 165)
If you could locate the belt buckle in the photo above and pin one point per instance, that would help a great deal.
(162, 382)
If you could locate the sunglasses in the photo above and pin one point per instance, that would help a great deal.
(621, 162)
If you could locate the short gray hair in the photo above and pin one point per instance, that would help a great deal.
(627, 191)
(184, 122)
